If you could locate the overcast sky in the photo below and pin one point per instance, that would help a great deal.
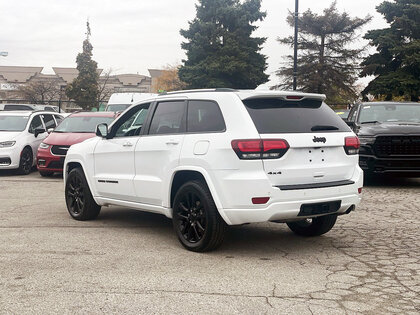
(131, 36)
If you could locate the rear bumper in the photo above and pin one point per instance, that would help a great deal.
(286, 204)
(374, 164)
(47, 162)
(280, 211)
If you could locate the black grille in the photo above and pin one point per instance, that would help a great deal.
(397, 145)
(59, 149)
(56, 164)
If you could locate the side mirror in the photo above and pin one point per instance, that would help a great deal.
(102, 130)
(38, 131)
(49, 130)
(349, 123)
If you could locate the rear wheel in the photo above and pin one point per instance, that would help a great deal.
(26, 161)
(79, 200)
(196, 219)
(313, 227)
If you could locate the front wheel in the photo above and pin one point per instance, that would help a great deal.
(79, 200)
(196, 219)
(313, 227)
(26, 161)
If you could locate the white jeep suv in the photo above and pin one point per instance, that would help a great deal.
(212, 158)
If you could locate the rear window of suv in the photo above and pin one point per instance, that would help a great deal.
(274, 115)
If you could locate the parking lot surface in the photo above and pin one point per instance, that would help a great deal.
(129, 261)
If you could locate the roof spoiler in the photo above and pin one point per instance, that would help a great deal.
(286, 95)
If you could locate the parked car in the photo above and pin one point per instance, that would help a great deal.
(14, 107)
(74, 129)
(21, 132)
(211, 158)
(389, 134)
(51, 108)
(119, 102)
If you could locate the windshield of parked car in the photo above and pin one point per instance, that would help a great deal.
(13, 123)
(389, 112)
(82, 123)
(117, 107)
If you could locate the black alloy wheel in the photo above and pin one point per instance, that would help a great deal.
(191, 218)
(79, 200)
(196, 220)
(26, 161)
(75, 195)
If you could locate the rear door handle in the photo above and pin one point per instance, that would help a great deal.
(127, 144)
(172, 142)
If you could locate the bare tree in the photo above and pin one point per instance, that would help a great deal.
(40, 91)
(105, 90)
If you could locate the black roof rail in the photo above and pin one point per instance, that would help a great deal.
(199, 90)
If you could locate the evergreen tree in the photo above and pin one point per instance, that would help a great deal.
(396, 65)
(325, 64)
(84, 89)
(219, 47)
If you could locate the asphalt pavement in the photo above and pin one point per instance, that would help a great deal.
(130, 262)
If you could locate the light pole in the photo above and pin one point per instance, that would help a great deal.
(295, 44)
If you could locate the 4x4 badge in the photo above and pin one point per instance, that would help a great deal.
(319, 139)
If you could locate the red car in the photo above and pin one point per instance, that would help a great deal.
(74, 129)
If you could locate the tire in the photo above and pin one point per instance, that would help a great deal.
(45, 174)
(313, 227)
(79, 200)
(26, 161)
(196, 220)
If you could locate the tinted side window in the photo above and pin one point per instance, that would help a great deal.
(17, 107)
(168, 118)
(48, 121)
(274, 115)
(36, 123)
(204, 116)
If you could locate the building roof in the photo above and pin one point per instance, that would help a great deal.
(154, 73)
(130, 79)
(17, 74)
(69, 74)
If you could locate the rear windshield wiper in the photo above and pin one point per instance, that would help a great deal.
(371, 122)
(323, 127)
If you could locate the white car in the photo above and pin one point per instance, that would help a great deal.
(21, 133)
(212, 158)
(119, 102)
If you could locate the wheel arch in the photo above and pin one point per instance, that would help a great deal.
(181, 176)
(77, 164)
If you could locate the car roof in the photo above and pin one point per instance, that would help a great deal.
(93, 114)
(249, 94)
(27, 112)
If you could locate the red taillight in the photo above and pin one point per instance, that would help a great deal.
(260, 200)
(252, 149)
(359, 190)
(294, 97)
(351, 145)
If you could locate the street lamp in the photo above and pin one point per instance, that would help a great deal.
(4, 53)
(295, 44)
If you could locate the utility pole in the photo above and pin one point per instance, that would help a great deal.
(295, 44)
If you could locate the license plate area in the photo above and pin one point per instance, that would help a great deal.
(309, 209)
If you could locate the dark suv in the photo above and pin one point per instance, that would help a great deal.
(389, 134)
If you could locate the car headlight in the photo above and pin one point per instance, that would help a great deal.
(44, 145)
(7, 144)
(366, 140)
